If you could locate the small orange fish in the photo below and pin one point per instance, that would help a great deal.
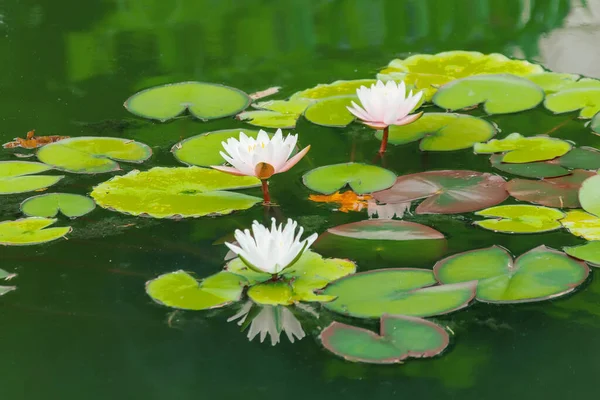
(348, 201)
(33, 142)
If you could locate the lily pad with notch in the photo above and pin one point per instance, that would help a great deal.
(519, 149)
(30, 231)
(50, 204)
(587, 100)
(361, 178)
(18, 177)
(520, 218)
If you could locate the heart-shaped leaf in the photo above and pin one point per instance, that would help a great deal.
(585, 99)
(28, 231)
(501, 94)
(520, 219)
(361, 178)
(589, 252)
(17, 177)
(92, 155)
(50, 204)
(589, 195)
(400, 337)
(203, 100)
(331, 111)
(442, 132)
(521, 149)
(404, 291)
(540, 274)
(582, 224)
(204, 150)
(446, 192)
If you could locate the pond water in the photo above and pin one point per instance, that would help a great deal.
(80, 323)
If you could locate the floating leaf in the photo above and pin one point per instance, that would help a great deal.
(28, 231)
(331, 111)
(17, 177)
(521, 149)
(562, 192)
(581, 158)
(442, 132)
(501, 94)
(386, 230)
(585, 99)
(50, 204)
(595, 123)
(589, 252)
(405, 291)
(540, 274)
(540, 169)
(589, 195)
(203, 100)
(292, 106)
(180, 290)
(520, 218)
(400, 337)
(272, 293)
(361, 178)
(446, 192)
(204, 150)
(175, 192)
(552, 82)
(91, 155)
(582, 224)
(269, 119)
(337, 88)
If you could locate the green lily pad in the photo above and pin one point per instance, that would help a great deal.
(540, 169)
(17, 177)
(561, 192)
(182, 291)
(331, 111)
(501, 94)
(447, 191)
(595, 123)
(442, 132)
(520, 218)
(519, 149)
(581, 158)
(204, 150)
(585, 99)
(337, 88)
(400, 337)
(92, 155)
(175, 192)
(589, 195)
(361, 178)
(269, 119)
(540, 274)
(28, 231)
(404, 291)
(552, 82)
(272, 293)
(582, 224)
(292, 106)
(50, 204)
(203, 100)
(589, 252)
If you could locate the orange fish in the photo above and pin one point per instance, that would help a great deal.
(348, 201)
(33, 142)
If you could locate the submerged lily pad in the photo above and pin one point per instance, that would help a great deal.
(540, 274)
(540, 169)
(331, 111)
(589, 195)
(403, 291)
(589, 252)
(337, 88)
(17, 177)
(447, 191)
(519, 149)
(582, 224)
(175, 192)
(442, 132)
(520, 218)
(585, 99)
(203, 100)
(204, 150)
(361, 178)
(501, 94)
(182, 291)
(92, 155)
(50, 204)
(561, 192)
(28, 231)
(400, 337)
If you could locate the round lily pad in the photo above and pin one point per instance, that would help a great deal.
(442, 132)
(50, 204)
(520, 149)
(447, 191)
(17, 177)
(400, 337)
(361, 178)
(175, 192)
(582, 224)
(561, 192)
(589, 195)
(540, 169)
(540, 274)
(28, 231)
(337, 88)
(91, 155)
(204, 150)
(403, 291)
(331, 111)
(269, 119)
(501, 94)
(520, 218)
(203, 100)
(585, 99)
(589, 252)
(182, 291)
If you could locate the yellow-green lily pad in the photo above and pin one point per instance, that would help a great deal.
(587, 100)
(331, 111)
(589, 252)
(552, 82)
(337, 88)
(29, 231)
(17, 177)
(521, 218)
(519, 149)
(361, 178)
(582, 224)
(50, 204)
(269, 119)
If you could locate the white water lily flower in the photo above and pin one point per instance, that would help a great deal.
(271, 251)
(385, 104)
(261, 157)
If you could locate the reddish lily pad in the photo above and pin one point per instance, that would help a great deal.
(447, 191)
(561, 192)
(400, 337)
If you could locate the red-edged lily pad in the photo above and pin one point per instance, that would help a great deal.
(447, 191)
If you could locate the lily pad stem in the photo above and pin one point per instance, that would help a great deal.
(384, 140)
(265, 190)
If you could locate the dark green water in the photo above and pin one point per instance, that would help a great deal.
(80, 325)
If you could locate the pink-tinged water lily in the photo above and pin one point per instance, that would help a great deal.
(262, 157)
(271, 251)
(384, 105)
